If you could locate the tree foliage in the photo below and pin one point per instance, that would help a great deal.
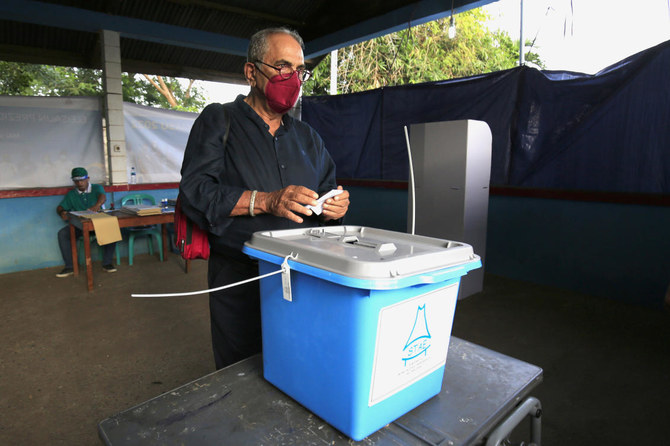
(49, 80)
(422, 53)
(164, 92)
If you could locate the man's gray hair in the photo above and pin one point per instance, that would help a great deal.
(258, 44)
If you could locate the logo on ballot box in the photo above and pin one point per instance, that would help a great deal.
(412, 341)
(418, 342)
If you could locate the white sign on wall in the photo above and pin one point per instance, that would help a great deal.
(155, 142)
(43, 138)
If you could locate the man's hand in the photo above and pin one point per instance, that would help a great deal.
(288, 202)
(335, 207)
(62, 213)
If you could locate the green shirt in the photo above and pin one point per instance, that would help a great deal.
(75, 201)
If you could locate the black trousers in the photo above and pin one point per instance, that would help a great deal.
(235, 313)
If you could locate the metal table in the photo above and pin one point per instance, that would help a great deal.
(482, 397)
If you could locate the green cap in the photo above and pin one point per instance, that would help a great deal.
(79, 173)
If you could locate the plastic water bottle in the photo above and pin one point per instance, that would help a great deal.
(133, 175)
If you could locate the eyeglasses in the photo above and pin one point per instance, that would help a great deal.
(286, 71)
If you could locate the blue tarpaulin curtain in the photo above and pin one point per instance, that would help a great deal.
(559, 130)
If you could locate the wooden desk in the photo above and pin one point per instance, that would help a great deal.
(481, 391)
(125, 220)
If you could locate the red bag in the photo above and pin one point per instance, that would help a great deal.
(191, 240)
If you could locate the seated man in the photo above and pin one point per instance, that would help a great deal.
(85, 196)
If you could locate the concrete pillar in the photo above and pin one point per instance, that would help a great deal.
(113, 106)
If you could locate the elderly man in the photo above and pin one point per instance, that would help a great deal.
(84, 196)
(248, 167)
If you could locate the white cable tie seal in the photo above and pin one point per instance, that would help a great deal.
(285, 268)
(286, 279)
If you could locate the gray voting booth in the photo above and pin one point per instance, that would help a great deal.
(452, 169)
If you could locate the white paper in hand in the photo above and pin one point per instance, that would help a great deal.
(322, 199)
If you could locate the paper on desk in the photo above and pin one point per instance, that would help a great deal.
(85, 214)
(106, 228)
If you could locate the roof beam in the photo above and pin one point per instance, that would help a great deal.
(240, 11)
(42, 56)
(163, 69)
(411, 15)
(59, 16)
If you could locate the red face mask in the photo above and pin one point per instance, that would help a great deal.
(281, 93)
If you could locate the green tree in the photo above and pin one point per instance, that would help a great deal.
(422, 53)
(164, 92)
(49, 80)
(16, 79)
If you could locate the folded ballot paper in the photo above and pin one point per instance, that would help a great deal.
(142, 209)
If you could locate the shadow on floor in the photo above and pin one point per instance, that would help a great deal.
(71, 358)
(606, 363)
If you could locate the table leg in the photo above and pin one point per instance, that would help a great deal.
(165, 241)
(87, 252)
(73, 247)
(530, 407)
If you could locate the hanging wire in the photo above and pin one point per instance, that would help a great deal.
(539, 28)
(210, 290)
(408, 32)
(284, 267)
(452, 24)
(572, 22)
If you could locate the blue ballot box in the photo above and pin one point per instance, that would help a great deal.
(357, 330)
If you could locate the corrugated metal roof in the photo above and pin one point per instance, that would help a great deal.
(203, 39)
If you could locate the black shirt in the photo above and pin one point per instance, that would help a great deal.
(214, 177)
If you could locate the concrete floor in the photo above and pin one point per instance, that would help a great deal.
(70, 358)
